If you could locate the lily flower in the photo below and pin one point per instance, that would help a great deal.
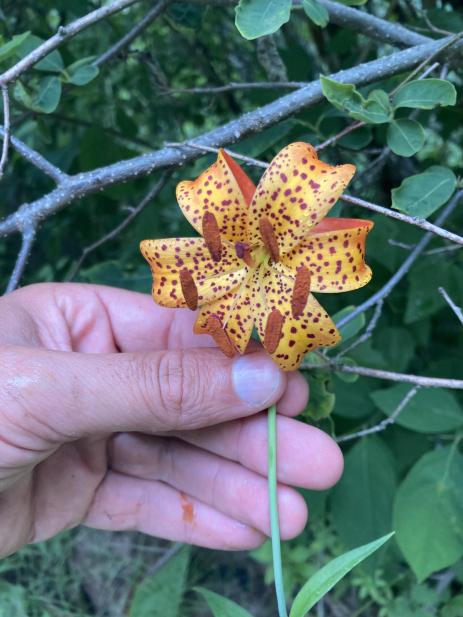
(261, 254)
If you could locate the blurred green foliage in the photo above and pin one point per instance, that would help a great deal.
(406, 478)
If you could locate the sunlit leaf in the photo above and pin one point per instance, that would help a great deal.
(161, 594)
(422, 194)
(327, 577)
(428, 512)
(405, 137)
(256, 18)
(426, 94)
(316, 12)
(221, 606)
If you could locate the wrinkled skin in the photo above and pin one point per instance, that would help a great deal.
(114, 415)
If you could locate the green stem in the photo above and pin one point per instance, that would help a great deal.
(273, 503)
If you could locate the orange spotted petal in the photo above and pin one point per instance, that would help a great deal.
(235, 313)
(295, 193)
(311, 329)
(334, 253)
(169, 259)
(224, 190)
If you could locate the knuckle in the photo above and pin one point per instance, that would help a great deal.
(179, 383)
(170, 386)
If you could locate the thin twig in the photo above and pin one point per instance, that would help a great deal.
(166, 557)
(240, 157)
(406, 265)
(63, 34)
(444, 249)
(381, 426)
(368, 332)
(36, 159)
(446, 43)
(412, 220)
(28, 237)
(456, 309)
(419, 380)
(134, 212)
(255, 121)
(348, 129)
(254, 85)
(6, 128)
(128, 38)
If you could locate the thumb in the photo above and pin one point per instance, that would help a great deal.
(71, 395)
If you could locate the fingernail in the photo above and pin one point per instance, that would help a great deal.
(257, 380)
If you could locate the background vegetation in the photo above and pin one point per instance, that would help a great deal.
(98, 99)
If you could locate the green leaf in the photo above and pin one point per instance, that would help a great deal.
(351, 328)
(431, 410)
(355, 402)
(161, 595)
(8, 49)
(405, 136)
(425, 94)
(348, 377)
(82, 72)
(361, 503)
(397, 346)
(428, 512)
(316, 12)
(424, 193)
(376, 109)
(48, 96)
(52, 63)
(326, 578)
(221, 606)
(322, 401)
(353, 2)
(255, 18)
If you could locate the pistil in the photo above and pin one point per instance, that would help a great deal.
(243, 251)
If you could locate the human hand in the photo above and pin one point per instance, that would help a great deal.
(114, 415)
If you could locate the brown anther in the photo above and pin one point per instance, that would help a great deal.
(215, 329)
(273, 330)
(269, 238)
(189, 289)
(243, 251)
(301, 291)
(211, 235)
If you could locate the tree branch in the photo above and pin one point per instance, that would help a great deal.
(405, 267)
(381, 426)
(36, 159)
(456, 309)
(254, 121)
(371, 26)
(28, 237)
(127, 39)
(63, 34)
(419, 380)
(393, 214)
(134, 212)
(6, 131)
(253, 85)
